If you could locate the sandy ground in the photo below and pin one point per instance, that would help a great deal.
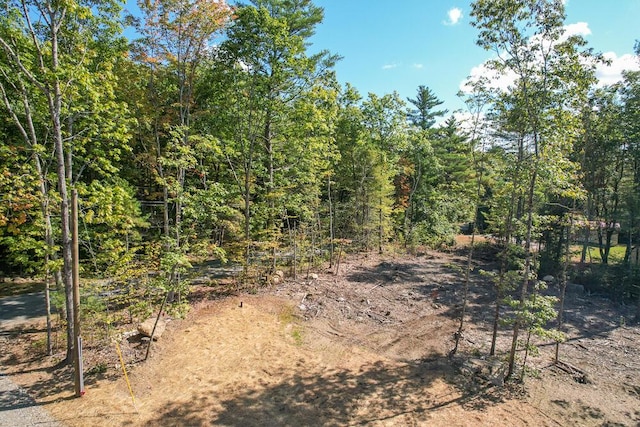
(366, 346)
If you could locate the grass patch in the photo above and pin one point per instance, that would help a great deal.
(616, 254)
(287, 314)
(288, 317)
(297, 336)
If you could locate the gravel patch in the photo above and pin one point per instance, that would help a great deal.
(17, 408)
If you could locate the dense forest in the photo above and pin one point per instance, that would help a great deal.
(218, 135)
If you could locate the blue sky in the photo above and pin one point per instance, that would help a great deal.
(400, 45)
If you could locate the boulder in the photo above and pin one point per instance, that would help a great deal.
(313, 276)
(549, 278)
(145, 328)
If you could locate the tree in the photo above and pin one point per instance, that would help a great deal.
(604, 165)
(267, 72)
(477, 150)
(40, 41)
(423, 116)
(385, 129)
(177, 37)
(420, 166)
(550, 81)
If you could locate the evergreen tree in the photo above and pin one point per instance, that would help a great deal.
(423, 115)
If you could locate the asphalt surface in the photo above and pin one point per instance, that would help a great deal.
(20, 310)
(17, 408)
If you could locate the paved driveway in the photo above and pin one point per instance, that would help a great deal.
(21, 310)
(16, 407)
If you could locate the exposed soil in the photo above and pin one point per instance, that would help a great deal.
(366, 346)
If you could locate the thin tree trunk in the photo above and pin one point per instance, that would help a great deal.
(30, 137)
(54, 98)
(331, 231)
(526, 355)
(408, 213)
(459, 333)
(496, 321)
(295, 254)
(271, 225)
(165, 190)
(247, 212)
(500, 286)
(48, 238)
(380, 231)
(527, 271)
(563, 284)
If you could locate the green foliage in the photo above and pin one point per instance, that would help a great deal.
(252, 151)
(423, 116)
(535, 313)
(21, 222)
(112, 221)
(441, 185)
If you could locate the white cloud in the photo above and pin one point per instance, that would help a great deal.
(579, 28)
(418, 66)
(454, 16)
(471, 123)
(390, 66)
(493, 79)
(612, 73)
(606, 74)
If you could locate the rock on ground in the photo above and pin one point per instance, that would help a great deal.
(145, 328)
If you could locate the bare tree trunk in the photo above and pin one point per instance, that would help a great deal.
(48, 237)
(165, 190)
(247, 214)
(54, 98)
(331, 231)
(66, 231)
(496, 321)
(500, 286)
(270, 192)
(563, 284)
(527, 271)
(380, 231)
(526, 355)
(459, 333)
(295, 254)
(28, 132)
(408, 213)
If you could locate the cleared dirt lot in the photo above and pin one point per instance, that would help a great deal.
(366, 346)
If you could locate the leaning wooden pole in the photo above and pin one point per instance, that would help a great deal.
(77, 340)
(153, 331)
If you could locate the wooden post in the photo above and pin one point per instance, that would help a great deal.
(153, 331)
(77, 340)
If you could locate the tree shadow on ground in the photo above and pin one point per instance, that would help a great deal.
(377, 392)
(386, 273)
(56, 377)
(449, 293)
